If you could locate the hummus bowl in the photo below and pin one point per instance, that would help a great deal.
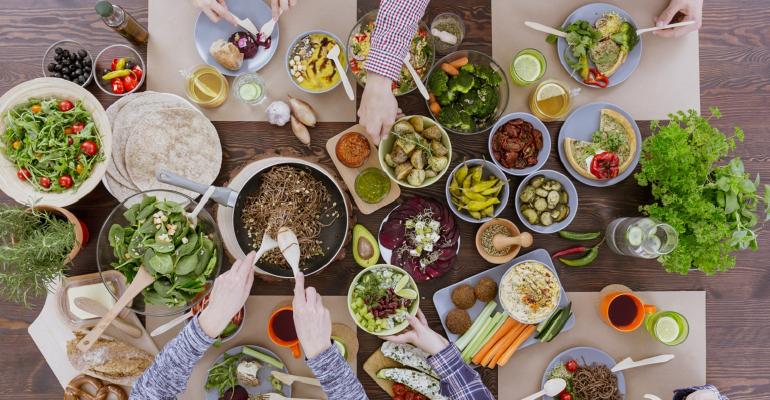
(529, 292)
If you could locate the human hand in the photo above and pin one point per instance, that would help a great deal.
(228, 296)
(421, 335)
(692, 10)
(311, 319)
(279, 6)
(379, 107)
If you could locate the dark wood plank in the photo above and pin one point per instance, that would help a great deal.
(735, 76)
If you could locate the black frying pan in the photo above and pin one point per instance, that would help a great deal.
(332, 236)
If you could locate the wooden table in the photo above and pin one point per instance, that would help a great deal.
(735, 76)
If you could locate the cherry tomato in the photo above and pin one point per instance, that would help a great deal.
(79, 169)
(117, 86)
(129, 83)
(65, 181)
(23, 174)
(571, 365)
(69, 141)
(36, 108)
(68, 131)
(17, 144)
(137, 72)
(399, 389)
(65, 105)
(44, 182)
(565, 396)
(86, 235)
(89, 148)
(77, 127)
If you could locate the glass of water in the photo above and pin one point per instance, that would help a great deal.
(641, 237)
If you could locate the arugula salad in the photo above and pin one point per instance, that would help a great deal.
(54, 143)
(178, 254)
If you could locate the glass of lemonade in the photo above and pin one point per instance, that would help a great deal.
(249, 88)
(528, 67)
(551, 100)
(641, 237)
(206, 86)
(668, 327)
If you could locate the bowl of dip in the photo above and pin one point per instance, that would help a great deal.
(529, 292)
(307, 65)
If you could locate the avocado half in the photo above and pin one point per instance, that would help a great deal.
(366, 250)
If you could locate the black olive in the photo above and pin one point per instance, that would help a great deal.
(51, 67)
(78, 71)
(78, 64)
(66, 53)
(58, 50)
(56, 75)
(80, 80)
(84, 77)
(65, 70)
(130, 64)
(87, 69)
(87, 62)
(57, 67)
(82, 53)
(66, 61)
(57, 58)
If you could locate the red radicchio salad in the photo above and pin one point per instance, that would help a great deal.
(424, 238)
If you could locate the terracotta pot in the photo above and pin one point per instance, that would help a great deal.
(79, 228)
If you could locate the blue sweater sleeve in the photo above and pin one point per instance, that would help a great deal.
(336, 377)
(168, 375)
(458, 380)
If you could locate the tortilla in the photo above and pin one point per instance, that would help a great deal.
(127, 119)
(180, 140)
(112, 113)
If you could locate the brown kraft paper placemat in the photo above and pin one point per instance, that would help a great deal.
(522, 376)
(172, 48)
(254, 332)
(666, 80)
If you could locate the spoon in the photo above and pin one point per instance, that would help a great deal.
(193, 216)
(416, 78)
(551, 388)
(289, 245)
(268, 244)
(142, 279)
(94, 307)
(502, 241)
(669, 26)
(334, 55)
(170, 324)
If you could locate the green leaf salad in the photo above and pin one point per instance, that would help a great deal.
(54, 143)
(178, 254)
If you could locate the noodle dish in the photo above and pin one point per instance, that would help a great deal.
(588, 374)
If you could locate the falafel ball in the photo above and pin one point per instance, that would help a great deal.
(458, 321)
(486, 289)
(463, 297)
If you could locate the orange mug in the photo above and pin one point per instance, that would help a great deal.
(623, 311)
(280, 329)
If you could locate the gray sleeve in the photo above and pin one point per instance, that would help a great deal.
(337, 378)
(168, 375)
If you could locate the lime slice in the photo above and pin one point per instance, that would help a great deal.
(550, 90)
(341, 346)
(249, 91)
(401, 283)
(527, 67)
(408, 294)
(634, 236)
(198, 82)
(666, 329)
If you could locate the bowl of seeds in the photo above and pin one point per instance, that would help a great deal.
(499, 240)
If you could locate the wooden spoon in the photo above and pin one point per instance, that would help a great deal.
(289, 245)
(502, 241)
(141, 281)
(669, 26)
(288, 379)
(94, 307)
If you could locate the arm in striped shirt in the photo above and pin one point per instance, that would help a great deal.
(393, 31)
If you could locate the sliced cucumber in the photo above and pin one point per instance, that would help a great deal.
(557, 325)
(634, 235)
(543, 326)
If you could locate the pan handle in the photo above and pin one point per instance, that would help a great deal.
(223, 196)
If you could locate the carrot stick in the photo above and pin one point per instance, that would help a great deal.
(515, 345)
(507, 326)
(450, 69)
(501, 345)
(460, 62)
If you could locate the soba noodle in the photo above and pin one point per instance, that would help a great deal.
(595, 382)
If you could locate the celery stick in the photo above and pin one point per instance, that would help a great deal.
(497, 321)
(482, 331)
(465, 339)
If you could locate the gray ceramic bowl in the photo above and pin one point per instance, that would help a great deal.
(344, 60)
(542, 157)
(489, 169)
(573, 201)
(207, 32)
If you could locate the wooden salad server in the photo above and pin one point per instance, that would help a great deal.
(94, 307)
(545, 28)
(639, 32)
(288, 379)
(170, 324)
(289, 245)
(142, 279)
(502, 241)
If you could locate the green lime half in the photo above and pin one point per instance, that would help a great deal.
(401, 284)
(409, 294)
(666, 329)
(527, 67)
(249, 91)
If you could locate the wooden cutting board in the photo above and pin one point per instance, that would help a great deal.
(349, 174)
(376, 362)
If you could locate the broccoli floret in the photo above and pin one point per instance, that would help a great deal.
(470, 103)
(449, 117)
(446, 98)
(466, 122)
(437, 83)
(488, 75)
(462, 83)
(488, 99)
(626, 37)
(469, 68)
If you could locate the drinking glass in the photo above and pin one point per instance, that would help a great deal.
(668, 327)
(641, 237)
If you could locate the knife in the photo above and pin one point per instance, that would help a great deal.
(628, 363)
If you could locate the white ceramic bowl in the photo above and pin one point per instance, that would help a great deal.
(572, 203)
(412, 309)
(289, 56)
(489, 169)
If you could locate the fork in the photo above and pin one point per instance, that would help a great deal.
(276, 396)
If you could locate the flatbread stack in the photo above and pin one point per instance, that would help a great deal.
(159, 130)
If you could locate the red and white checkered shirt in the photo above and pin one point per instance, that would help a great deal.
(393, 31)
